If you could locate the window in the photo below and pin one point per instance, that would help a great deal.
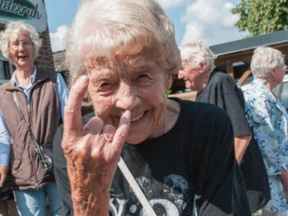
(284, 95)
(5, 70)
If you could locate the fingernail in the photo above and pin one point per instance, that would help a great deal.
(127, 114)
(108, 137)
(108, 132)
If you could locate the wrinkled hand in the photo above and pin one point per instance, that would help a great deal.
(92, 154)
(3, 174)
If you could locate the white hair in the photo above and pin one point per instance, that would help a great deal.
(264, 59)
(105, 29)
(196, 53)
(14, 28)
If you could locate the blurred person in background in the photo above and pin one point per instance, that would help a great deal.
(220, 89)
(41, 96)
(270, 124)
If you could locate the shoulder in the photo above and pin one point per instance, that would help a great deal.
(4, 86)
(221, 77)
(256, 92)
(204, 128)
(204, 113)
(222, 82)
(193, 107)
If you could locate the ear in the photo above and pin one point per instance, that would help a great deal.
(202, 67)
(169, 81)
(273, 71)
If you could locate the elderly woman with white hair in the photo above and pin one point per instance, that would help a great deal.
(31, 109)
(122, 55)
(270, 124)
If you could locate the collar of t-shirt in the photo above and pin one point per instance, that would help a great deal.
(28, 89)
(212, 74)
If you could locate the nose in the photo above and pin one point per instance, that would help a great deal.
(180, 74)
(21, 46)
(126, 97)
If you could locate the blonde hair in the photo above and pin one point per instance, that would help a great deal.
(107, 28)
(14, 28)
(196, 53)
(264, 59)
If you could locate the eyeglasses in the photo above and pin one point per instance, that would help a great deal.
(16, 45)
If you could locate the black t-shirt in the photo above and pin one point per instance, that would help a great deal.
(195, 157)
(222, 91)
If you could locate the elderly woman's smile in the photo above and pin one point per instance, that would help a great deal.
(141, 91)
(137, 119)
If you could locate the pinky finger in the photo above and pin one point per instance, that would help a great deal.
(122, 131)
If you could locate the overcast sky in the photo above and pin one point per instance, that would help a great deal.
(194, 20)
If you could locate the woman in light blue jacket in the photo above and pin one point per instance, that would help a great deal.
(269, 121)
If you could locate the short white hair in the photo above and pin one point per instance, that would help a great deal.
(14, 28)
(264, 59)
(196, 53)
(104, 29)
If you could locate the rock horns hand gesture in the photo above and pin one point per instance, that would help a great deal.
(92, 153)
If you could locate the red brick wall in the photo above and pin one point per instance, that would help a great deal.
(45, 58)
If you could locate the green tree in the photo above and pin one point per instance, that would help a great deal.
(262, 16)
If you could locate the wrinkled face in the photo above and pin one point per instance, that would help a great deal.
(138, 85)
(21, 50)
(190, 75)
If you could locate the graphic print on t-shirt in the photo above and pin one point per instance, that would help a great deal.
(169, 197)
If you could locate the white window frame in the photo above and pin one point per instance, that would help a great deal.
(10, 68)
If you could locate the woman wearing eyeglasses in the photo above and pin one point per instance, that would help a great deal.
(41, 97)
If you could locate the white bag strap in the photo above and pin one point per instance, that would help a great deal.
(135, 187)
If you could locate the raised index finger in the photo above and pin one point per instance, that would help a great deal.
(72, 113)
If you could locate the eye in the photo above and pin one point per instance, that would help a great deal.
(143, 80)
(27, 43)
(106, 86)
(14, 45)
(143, 77)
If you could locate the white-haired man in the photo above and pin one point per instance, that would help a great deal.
(220, 89)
